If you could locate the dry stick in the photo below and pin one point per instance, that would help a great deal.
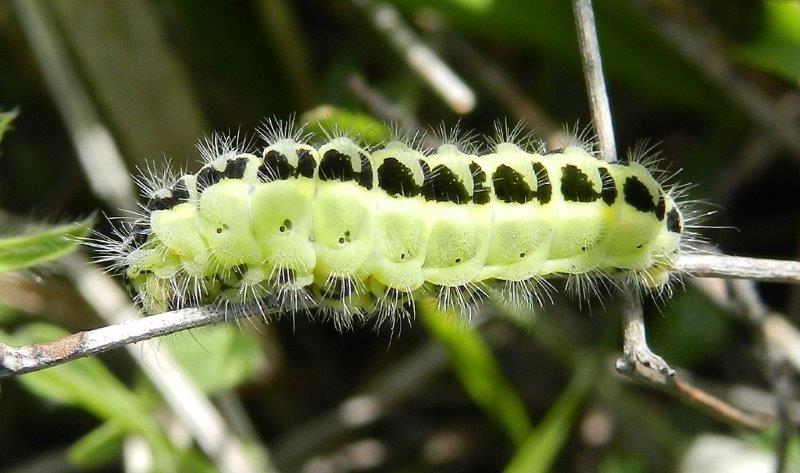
(419, 56)
(595, 81)
(738, 267)
(638, 362)
(636, 352)
(194, 410)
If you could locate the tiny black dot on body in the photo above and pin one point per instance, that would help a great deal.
(637, 195)
(576, 186)
(306, 164)
(442, 185)
(608, 190)
(480, 193)
(396, 179)
(335, 166)
(674, 221)
(276, 167)
(544, 188)
(365, 176)
(510, 185)
(234, 168)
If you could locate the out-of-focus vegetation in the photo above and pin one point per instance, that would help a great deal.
(528, 392)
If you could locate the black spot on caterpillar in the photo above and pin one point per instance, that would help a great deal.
(396, 179)
(637, 195)
(510, 186)
(335, 165)
(275, 167)
(442, 185)
(575, 185)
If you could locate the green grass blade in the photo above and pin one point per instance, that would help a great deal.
(476, 368)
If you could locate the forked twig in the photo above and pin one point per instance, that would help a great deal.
(638, 361)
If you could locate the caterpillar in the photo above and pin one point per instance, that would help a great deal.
(360, 233)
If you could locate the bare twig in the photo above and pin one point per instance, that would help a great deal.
(419, 56)
(595, 81)
(685, 391)
(738, 267)
(15, 361)
(636, 353)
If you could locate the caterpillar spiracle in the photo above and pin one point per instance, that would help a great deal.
(361, 233)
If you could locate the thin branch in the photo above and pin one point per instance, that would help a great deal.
(419, 56)
(738, 267)
(595, 80)
(28, 358)
(685, 391)
(636, 354)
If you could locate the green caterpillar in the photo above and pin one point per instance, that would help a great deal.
(355, 232)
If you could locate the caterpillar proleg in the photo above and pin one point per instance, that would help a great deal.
(360, 233)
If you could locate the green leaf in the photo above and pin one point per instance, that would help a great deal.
(543, 444)
(5, 121)
(25, 251)
(777, 47)
(478, 371)
(217, 357)
(97, 448)
(358, 125)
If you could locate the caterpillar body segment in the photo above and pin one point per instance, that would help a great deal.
(355, 232)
